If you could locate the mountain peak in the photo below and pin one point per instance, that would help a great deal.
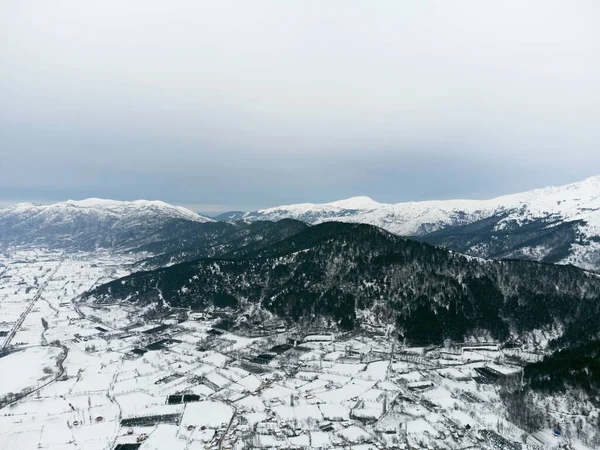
(591, 182)
(361, 202)
(93, 202)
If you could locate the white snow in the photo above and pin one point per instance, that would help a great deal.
(208, 413)
(28, 369)
(104, 207)
(295, 402)
(571, 202)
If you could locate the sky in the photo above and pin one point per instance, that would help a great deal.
(237, 105)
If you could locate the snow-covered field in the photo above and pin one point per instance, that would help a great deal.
(80, 376)
(29, 368)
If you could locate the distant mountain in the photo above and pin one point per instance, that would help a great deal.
(342, 276)
(167, 234)
(554, 224)
(93, 223)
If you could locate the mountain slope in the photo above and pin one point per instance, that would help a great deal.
(92, 223)
(219, 239)
(557, 224)
(168, 234)
(338, 274)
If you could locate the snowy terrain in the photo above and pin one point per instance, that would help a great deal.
(78, 375)
(578, 201)
(553, 225)
(90, 377)
(576, 205)
(91, 223)
(119, 210)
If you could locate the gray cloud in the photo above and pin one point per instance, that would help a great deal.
(244, 104)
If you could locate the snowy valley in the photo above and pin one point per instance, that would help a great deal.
(113, 377)
(292, 225)
(138, 325)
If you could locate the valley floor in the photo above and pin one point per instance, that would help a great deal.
(78, 376)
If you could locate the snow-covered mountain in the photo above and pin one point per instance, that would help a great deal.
(92, 223)
(554, 224)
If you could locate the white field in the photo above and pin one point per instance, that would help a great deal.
(29, 368)
(336, 393)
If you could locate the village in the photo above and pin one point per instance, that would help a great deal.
(113, 377)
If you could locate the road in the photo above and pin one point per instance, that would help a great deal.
(24, 314)
(222, 438)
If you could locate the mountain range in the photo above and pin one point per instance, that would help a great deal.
(93, 223)
(161, 233)
(553, 224)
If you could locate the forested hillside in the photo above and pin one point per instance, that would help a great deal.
(577, 367)
(342, 275)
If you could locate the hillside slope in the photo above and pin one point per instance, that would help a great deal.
(343, 275)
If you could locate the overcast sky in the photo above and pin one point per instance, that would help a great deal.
(237, 105)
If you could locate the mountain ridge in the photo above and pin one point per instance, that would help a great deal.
(575, 206)
(344, 275)
(553, 224)
(91, 223)
(590, 188)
